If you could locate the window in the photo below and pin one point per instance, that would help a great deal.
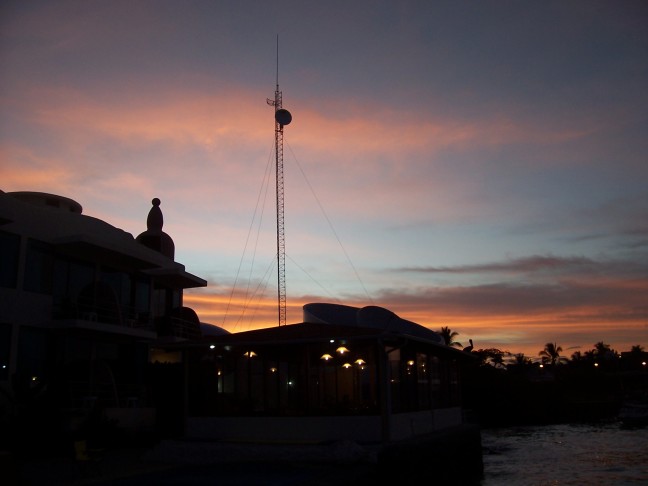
(5, 350)
(435, 381)
(422, 376)
(70, 277)
(142, 296)
(32, 367)
(394, 364)
(120, 283)
(9, 254)
(38, 267)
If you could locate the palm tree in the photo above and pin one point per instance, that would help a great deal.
(448, 337)
(491, 357)
(603, 350)
(577, 356)
(519, 362)
(551, 354)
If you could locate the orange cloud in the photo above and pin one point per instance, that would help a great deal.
(526, 333)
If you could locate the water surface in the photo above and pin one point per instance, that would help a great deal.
(566, 454)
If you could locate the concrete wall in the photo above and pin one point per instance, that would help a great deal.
(285, 429)
(406, 425)
(361, 429)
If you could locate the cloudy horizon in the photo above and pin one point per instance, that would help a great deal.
(480, 166)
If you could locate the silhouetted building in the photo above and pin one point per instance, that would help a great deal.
(81, 305)
(345, 373)
(92, 319)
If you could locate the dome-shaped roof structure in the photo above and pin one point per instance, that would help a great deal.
(212, 329)
(52, 201)
(154, 237)
(369, 316)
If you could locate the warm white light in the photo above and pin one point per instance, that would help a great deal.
(596, 365)
(643, 363)
(273, 370)
(326, 357)
(360, 361)
(410, 363)
(212, 346)
(249, 354)
(331, 340)
(346, 365)
(541, 366)
(342, 350)
(218, 372)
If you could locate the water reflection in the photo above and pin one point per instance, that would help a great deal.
(568, 454)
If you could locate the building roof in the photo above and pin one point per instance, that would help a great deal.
(370, 316)
(59, 221)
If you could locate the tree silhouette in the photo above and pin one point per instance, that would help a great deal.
(519, 361)
(551, 354)
(491, 356)
(497, 358)
(637, 356)
(448, 337)
(577, 356)
(603, 350)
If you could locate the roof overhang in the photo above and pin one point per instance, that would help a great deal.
(309, 333)
(92, 249)
(175, 277)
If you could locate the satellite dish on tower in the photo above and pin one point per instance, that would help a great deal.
(283, 116)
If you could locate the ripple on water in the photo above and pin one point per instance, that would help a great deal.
(566, 454)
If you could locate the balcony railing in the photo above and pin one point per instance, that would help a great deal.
(127, 316)
(177, 327)
(105, 313)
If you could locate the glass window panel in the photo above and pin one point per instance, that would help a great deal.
(9, 255)
(38, 267)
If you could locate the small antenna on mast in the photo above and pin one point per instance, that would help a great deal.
(277, 62)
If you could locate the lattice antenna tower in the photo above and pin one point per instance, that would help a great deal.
(282, 117)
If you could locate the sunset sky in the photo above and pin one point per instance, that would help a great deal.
(477, 165)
